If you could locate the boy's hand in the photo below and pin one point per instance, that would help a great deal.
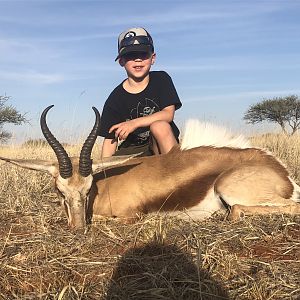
(122, 130)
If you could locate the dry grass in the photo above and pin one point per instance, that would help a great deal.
(286, 148)
(156, 258)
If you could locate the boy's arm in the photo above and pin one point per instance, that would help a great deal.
(109, 147)
(122, 130)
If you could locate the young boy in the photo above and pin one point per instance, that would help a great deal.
(139, 112)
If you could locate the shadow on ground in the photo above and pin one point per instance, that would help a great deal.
(158, 271)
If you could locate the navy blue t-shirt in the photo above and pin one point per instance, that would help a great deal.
(122, 106)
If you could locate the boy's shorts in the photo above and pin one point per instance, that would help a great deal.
(145, 150)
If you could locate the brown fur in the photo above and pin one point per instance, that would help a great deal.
(181, 180)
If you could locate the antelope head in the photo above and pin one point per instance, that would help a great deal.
(72, 178)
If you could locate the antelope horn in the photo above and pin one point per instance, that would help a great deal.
(65, 165)
(85, 162)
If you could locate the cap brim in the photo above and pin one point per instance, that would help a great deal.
(134, 48)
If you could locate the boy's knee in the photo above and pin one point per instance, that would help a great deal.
(160, 128)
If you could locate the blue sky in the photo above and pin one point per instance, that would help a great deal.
(223, 56)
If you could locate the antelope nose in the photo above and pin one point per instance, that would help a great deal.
(77, 225)
(78, 229)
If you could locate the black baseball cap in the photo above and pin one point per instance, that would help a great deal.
(134, 40)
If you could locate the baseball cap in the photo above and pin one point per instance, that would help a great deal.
(134, 40)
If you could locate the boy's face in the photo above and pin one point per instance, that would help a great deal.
(137, 64)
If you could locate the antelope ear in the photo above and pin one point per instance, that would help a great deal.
(108, 162)
(48, 166)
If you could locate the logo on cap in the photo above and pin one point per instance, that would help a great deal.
(129, 34)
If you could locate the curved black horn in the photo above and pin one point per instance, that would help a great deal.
(85, 162)
(65, 165)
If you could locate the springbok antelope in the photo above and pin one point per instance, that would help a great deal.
(195, 182)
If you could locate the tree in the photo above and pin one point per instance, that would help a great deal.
(8, 114)
(284, 111)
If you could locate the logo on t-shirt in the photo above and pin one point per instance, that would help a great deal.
(144, 108)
